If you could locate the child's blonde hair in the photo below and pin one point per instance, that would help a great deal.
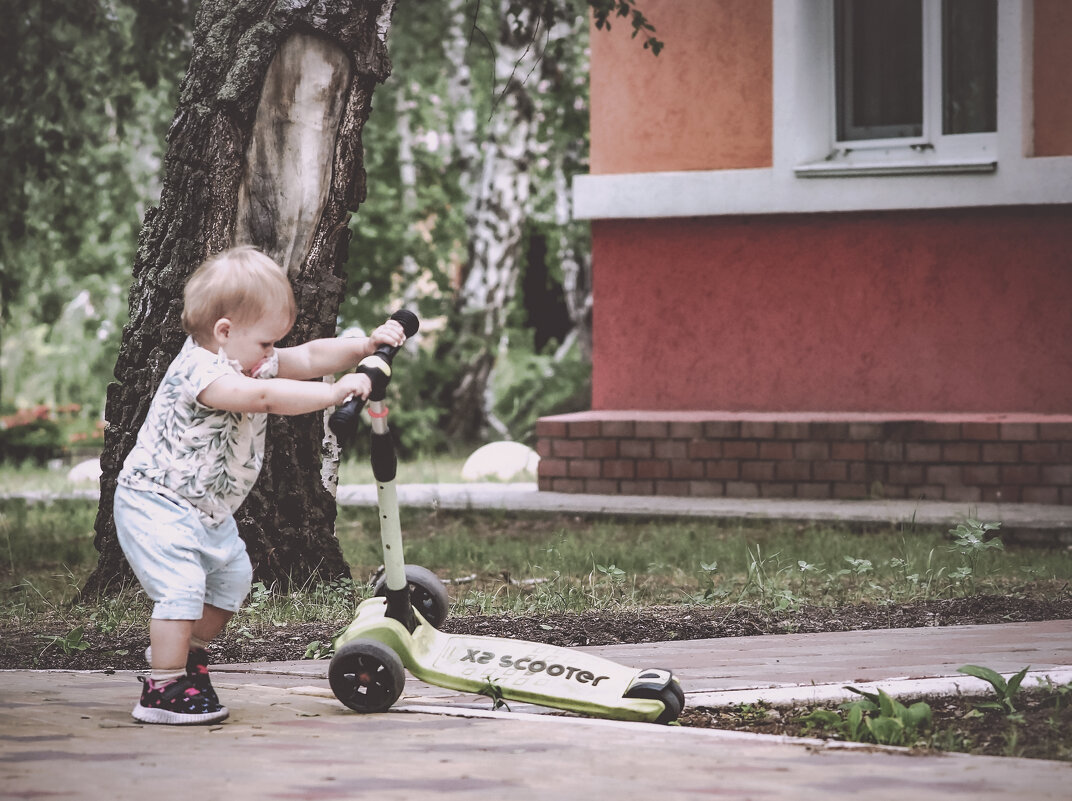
(241, 284)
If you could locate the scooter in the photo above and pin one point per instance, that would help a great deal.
(397, 628)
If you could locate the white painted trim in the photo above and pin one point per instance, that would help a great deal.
(1039, 181)
(900, 687)
(802, 136)
(844, 169)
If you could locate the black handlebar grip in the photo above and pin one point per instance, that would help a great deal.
(343, 421)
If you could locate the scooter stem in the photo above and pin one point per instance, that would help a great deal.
(384, 468)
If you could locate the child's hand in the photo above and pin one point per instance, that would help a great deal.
(390, 333)
(350, 385)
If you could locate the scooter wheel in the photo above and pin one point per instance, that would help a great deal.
(366, 675)
(660, 685)
(426, 593)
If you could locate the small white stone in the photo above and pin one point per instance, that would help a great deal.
(501, 460)
(85, 472)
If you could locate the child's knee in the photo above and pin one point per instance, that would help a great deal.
(228, 588)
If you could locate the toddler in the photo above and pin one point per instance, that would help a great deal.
(198, 454)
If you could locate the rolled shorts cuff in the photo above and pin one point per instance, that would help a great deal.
(178, 610)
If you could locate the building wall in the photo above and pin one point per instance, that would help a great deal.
(647, 113)
(950, 311)
(1051, 85)
(821, 337)
(646, 116)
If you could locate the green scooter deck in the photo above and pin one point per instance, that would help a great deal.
(515, 670)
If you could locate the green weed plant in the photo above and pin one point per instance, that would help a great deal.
(874, 718)
(1005, 691)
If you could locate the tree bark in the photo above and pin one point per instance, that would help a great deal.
(263, 77)
(496, 219)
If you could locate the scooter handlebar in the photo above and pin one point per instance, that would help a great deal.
(343, 421)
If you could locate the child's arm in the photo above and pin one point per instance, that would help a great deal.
(237, 393)
(321, 357)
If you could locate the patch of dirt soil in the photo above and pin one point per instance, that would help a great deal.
(1040, 727)
(1043, 728)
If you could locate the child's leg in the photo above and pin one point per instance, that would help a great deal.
(161, 539)
(228, 577)
(213, 621)
(170, 641)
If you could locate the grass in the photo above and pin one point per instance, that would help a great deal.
(530, 563)
(53, 481)
(507, 563)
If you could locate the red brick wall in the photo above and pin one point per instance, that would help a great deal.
(954, 457)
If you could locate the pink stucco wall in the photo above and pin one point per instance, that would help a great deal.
(952, 311)
(703, 103)
(1051, 86)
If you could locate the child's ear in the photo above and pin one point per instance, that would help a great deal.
(221, 330)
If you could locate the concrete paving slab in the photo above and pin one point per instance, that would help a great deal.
(65, 735)
(712, 671)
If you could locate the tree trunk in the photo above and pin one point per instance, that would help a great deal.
(576, 272)
(265, 147)
(496, 219)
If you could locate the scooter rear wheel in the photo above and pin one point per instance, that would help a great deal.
(426, 593)
(662, 686)
(366, 676)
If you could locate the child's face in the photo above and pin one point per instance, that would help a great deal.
(251, 344)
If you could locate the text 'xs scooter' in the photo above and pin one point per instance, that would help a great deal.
(397, 629)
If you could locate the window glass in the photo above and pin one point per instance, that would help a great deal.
(969, 66)
(879, 68)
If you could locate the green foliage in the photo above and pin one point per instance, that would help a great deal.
(45, 536)
(971, 540)
(87, 93)
(323, 650)
(71, 642)
(495, 693)
(36, 441)
(537, 563)
(89, 89)
(38, 434)
(410, 238)
(529, 385)
(1005, 690)
(876, 718)
(603, 10)
(319, 650)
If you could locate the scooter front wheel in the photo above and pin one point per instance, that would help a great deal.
(426, 593)
(366, 676)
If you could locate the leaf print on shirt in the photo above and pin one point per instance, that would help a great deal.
(209, 457)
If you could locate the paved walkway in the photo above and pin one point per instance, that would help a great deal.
(67, 735)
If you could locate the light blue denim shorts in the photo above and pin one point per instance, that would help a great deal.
(181, 562)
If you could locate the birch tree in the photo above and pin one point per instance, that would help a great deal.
(500, 177)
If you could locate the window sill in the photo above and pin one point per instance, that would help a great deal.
(851, 169)
(782, 190)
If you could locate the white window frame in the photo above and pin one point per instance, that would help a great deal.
(995, 169)
(931, 152)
